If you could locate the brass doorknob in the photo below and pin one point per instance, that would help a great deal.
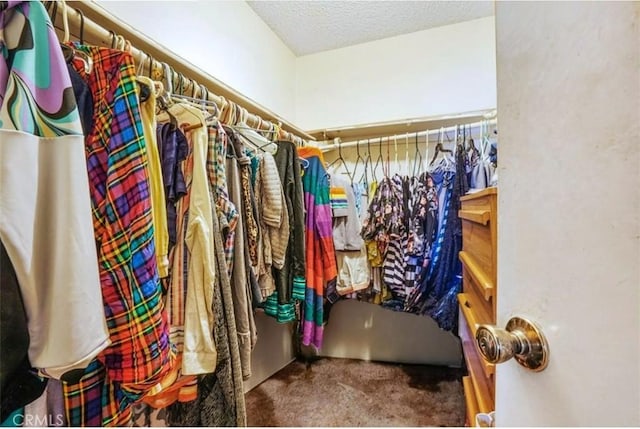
(521, 339)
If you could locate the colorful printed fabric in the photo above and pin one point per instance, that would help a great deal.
(45, 210)
(140, 353)
(225, 209)
(321, 266)
(385, 220)
(423, 223)
(435, 296)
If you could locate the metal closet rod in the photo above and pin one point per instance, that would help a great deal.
(186, 84)
(408, 138)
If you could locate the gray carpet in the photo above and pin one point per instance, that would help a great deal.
(346, 392)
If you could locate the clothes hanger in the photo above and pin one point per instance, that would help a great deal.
(395, 150)
(417, 160)
(358, 158)
(440, 148)
(367, 163)
(379, 160)
(406, 153)
(164, 98)
(341, 159)
(69, 52)
(145, 90)
(426, 151)
(387, 173)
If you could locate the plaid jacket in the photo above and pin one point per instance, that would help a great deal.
(140, 352)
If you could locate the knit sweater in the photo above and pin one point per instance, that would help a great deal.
(320, 254)
(290, 280)
(274, 223)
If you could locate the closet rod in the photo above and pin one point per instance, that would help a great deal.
(409, 137)
(389, 128)
(144, 49)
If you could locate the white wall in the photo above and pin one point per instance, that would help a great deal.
(444, 70)
(236, 46)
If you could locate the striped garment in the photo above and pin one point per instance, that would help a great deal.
(320, 254)
(393, 268)
(140, 353)
(339, 203)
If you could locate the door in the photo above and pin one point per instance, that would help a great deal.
(568, 250)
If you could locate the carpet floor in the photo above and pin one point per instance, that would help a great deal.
(351, 393)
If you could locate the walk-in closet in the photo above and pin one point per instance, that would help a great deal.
(319, 213)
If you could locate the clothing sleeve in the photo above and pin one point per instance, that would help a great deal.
(280, 239)
(298, 251)
(270, 192)
(199, 354)
(156, 187)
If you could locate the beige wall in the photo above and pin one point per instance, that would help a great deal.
(227, 39)
(439, 71)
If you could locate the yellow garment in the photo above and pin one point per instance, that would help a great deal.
(373, 187)
(156, 188)
(199, 351)
(373, 253)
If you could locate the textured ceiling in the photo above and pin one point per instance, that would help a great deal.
(308, 27)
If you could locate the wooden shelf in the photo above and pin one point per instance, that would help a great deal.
(470, 400)
(467, 334)
(483, 193)
(477, 216)
(478, 275)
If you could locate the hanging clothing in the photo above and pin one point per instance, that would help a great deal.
(362, 199)
(346, 224)
(18, 383)
(240, 278)
(351, 256)
(320, 254)
(481, 165)
(191, 290)
(226, 211)
(274, 223)
(48, 408)
(248, 199)
(156, 186)
(442, 281)
(199, 353)
(421, 232)
(140, 353)
(84, 99)
(173, 150)
(290, 279)
(220, 400)
(45, 208)
(385, 229)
